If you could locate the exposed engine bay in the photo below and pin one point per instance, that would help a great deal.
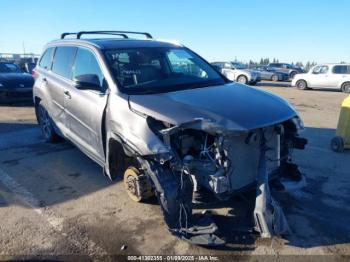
(205, 158)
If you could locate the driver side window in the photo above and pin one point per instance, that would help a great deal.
(86, 65)
(320, 70)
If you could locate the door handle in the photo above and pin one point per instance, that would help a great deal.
(67, 94)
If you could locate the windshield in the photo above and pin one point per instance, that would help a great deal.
(238, 66)
(157, 70)
(9, 68)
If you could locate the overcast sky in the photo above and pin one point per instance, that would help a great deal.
(298, 30)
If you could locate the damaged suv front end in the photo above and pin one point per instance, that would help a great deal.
(184, 137)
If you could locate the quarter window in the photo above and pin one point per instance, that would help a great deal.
(63, 60)
(46, 59)
(86, 64)
(341, 69)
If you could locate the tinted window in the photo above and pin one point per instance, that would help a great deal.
(341, 69)
(86, 64)
(63, 60)
(46, 59)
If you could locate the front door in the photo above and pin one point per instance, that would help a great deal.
(85, 105)
(319, 76)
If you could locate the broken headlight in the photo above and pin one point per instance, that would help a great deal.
(299, 124)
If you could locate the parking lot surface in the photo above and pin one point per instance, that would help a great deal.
(55, 201)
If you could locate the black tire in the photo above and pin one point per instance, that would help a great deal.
(292, 74)
(345, 87)
(242, 79)
(337, 144)
(274, 78)
(301, 85)
(46, 124)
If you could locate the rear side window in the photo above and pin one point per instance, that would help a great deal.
(46, 59)
(63, 61)
(341, 69)
(86, 64)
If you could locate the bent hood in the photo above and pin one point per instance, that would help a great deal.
(234, 107)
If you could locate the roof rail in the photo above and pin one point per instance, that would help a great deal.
(120, 33)
(65, 34)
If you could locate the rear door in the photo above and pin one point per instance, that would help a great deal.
(85, 105)
(339, 74)
(57, 81)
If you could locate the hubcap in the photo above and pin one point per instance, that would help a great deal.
(241, 80)
(301, 85)
(347, 88)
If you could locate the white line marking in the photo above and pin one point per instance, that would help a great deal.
(49, 215)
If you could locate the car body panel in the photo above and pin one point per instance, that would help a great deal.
(235, 107)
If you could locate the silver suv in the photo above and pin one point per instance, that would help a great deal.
(161, 116)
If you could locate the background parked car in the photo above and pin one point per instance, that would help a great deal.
(237, 72)
(336, 76)
(14, 83)
(291, 70)
(268, 73)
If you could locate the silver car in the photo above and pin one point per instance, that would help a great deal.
(237, 72)
(162, 117)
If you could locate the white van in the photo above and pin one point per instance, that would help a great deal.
(336, 76)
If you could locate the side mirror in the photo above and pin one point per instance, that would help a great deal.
(87, 82)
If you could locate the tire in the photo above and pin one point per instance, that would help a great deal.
(337, 144)
(274, 78)
(301, 85)
(46, 124)
(242, 79)
(345, 87)
(292, 74)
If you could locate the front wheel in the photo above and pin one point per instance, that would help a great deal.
(346, 87)
(274, 78)
(46, 124)
(301, 84)
(242, 79)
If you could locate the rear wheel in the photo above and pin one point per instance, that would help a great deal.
(301, 84)
(242, 79)
(274, 78)
(46, 124)
(337, 144)
(346, 87)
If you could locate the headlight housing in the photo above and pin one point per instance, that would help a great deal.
(1, 85)
(299, 124)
